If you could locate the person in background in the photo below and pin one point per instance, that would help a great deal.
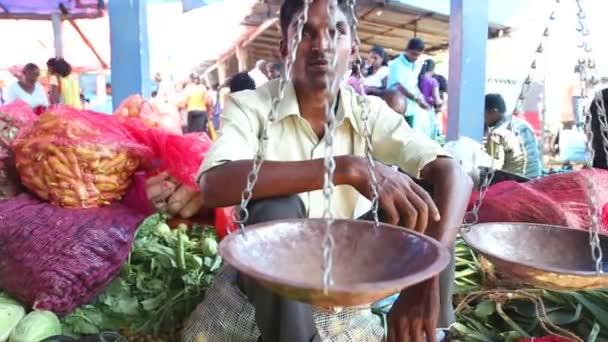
(274, 70)
(64, 88)
(443, 87)
(377, 72)
(598, 112)
(217, 105)
(28, 89)
(443, 94)
(403, 76)
(259, 73)
(429, 87)
(354, 80)
(197, 105)
(510, 141)
(241, 81)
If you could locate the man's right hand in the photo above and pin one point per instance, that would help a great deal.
(423, 104)
(403, 201)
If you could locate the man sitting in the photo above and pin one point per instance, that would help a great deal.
(290, 180)
(510, 141)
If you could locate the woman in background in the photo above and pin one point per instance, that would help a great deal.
(377, 73)
(429, 87)
(64, 88)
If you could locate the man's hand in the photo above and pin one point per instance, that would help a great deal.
(403, 201)
(167, 196)
(413, 317)
(423, 104)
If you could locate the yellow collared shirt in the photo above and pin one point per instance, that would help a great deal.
(291, 138)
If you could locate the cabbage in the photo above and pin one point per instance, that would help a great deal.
(36, 326)
(11, 312)
(5, 299)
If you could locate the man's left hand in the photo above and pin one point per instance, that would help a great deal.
(413, 317)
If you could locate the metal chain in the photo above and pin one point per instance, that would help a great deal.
(364, 104)
(329, 160)
(586, 70)
(472, 216)
(241, 215)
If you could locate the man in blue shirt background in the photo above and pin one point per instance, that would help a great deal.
(403, 77)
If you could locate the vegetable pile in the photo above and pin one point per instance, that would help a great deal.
(489, 309)
(77, 159)
(161, 284)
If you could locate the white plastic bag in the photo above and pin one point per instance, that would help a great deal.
(471, 156)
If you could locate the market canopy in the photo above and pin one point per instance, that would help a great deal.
(44, 9)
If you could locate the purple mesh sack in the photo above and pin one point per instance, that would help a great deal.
(58, 259)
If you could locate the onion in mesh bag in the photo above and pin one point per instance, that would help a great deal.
(227, 315)
(77, 159)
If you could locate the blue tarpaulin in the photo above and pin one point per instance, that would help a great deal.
(43, 9)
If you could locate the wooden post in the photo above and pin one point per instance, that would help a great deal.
(221, 72)
(242, 56)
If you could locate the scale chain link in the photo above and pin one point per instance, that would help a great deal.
(241, 215)
(586, 70)
(364, 104)
(329, 160)
(472, 217)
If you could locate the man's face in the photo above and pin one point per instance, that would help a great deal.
(313, 58)
(492, 117)
(274, 72)
(413, 55)
(31, 76)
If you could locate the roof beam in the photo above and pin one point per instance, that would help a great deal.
(405, 25)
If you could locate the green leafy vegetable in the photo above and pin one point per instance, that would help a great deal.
(166, 277)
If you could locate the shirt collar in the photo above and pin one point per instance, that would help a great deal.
(288, 106)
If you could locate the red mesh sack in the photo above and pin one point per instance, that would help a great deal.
(58, 259)
(14, 117)
(136, 107)
(181, 156)
(558, 199)
(76, 158)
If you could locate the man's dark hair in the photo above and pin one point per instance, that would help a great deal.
(30, 67)
(290, 8)
(62, 67)
(241, 81)
(496, 102)
(415, 44)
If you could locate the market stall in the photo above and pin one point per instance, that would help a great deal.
(85, 250)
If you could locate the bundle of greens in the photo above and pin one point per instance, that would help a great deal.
(488, 313)
(165, 278)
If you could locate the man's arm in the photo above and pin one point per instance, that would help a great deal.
(452, 189)
(223, 185)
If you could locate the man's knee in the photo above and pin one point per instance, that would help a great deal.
(276, 208)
